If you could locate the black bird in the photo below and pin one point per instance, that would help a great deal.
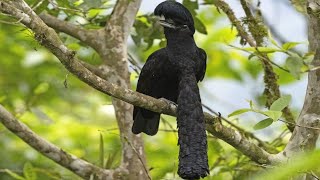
(172, 73)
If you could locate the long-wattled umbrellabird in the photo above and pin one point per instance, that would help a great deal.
(172, 73)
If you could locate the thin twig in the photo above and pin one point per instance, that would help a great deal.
(37, 5)
(311, 69)
(249, 134)
(168, 130)
(135, 150)
(167, 123)
(229, 12)
(11, 23)
(5, 170)
(313, 175)
(257, 30)
(278, 141)
(265, 146)
(134, 62)
(294, 124)
(277, 65)
(56, 6)
(49, 39)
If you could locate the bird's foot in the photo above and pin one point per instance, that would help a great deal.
(168, 102)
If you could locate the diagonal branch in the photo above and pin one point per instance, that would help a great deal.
(305, 136)
(247, 134)
(49, 39)
(80, 167)
(73, 30)
(235, 22)
(258, 31)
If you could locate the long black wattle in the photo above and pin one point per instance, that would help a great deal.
(193, 159)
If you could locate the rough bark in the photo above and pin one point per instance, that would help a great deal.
(304, 139)
(258, 33)
(69, 161)
(114, 54)
(110, 43)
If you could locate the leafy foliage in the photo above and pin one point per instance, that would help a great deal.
(273, 114)
(81, 120)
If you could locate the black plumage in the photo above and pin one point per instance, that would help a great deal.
(172, 73)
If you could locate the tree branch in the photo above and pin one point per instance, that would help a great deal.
(78, 166)
(258, 31)
(233, 19)
(75, 31)
(49, 39)
(304, 139)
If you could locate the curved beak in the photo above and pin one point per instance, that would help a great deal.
(166, 23)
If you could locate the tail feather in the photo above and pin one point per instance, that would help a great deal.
(145, 121)
(193, 159)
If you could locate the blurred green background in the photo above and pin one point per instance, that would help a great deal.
(37, 89)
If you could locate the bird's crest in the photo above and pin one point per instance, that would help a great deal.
(176, 12)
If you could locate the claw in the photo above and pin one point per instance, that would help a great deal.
(168, 101)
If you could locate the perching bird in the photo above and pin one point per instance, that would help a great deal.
(172, 73)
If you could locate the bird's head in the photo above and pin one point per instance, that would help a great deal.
(174, 15)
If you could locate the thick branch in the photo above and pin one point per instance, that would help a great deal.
(68, 28)
(304, 139)
(258, 31)
(49, 39)
(69, 161)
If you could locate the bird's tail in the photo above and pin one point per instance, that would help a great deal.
(145, 121)
(193, 159)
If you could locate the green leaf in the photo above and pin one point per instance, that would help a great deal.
(300, 5)
(101, 151)
(280, 103)
(209, 1)
(41, 88)
(294, 65)
(260, 49)
(308, 57)
(263, 124)
(275, 115)
(251, 104)
(162, 43)
(215, 146)
(272, 40)
(299, 163)
(111, 160)
(289, 45)
(89, 4)
(28, 171)
(252, 56)
(200, 27)
(14, 175)
(239, 111)
(192, 6)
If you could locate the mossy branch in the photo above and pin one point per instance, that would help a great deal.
(49, 39)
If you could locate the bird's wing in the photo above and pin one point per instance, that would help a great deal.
(202, 64)
(151, 73)
(151, 82)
